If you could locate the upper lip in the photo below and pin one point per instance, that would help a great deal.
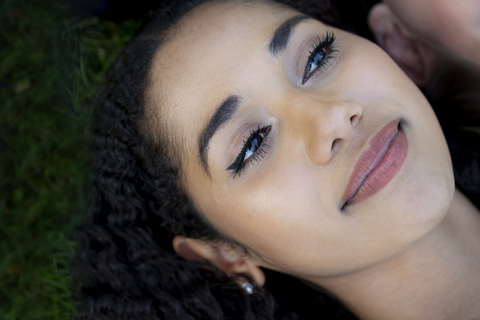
(369, 159)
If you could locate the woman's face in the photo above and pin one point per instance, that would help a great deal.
(451, 27)
(270, 138)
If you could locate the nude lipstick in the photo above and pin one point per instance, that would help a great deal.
(378, 164)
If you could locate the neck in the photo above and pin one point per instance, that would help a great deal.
(436, 278)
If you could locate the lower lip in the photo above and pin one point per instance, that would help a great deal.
(379, 170)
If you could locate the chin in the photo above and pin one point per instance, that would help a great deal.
(427, 186)
(428, 200)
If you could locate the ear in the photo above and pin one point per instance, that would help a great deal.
(412, 57)
(220, 255)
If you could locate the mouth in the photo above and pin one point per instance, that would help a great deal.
(378, 165)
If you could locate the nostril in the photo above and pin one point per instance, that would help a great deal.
(353, 119)
(335, 143)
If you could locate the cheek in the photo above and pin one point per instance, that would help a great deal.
(271, 209)
(373, 79)
(287, 215)
(445, 19)
(453, 27)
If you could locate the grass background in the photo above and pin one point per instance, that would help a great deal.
(51, 65)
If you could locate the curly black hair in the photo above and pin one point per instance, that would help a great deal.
(127, 268)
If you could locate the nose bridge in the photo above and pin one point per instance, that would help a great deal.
(325, 124)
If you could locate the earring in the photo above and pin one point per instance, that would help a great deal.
(247, 285)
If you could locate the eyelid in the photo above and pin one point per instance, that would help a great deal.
(312, 45)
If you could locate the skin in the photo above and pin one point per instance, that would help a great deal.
(286, 207)
(451, 28)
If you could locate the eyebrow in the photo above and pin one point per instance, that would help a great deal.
(227, 109)
(222, 115)
(280, 38)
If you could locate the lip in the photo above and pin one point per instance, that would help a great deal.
(378, 165)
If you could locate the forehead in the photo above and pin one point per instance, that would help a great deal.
(209, 52)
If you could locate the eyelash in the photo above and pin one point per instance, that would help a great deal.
(323, 46)
(240, 162)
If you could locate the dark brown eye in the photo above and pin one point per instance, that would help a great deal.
(253, 149)
(255, 142)
(322, 51)
(315, 63)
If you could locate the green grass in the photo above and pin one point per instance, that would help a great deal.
(50, 68)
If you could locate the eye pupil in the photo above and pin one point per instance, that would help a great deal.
(255, 142)
(318, 57)
(317, 60)
(254, 145)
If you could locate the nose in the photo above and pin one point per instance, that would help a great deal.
(327, 125)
